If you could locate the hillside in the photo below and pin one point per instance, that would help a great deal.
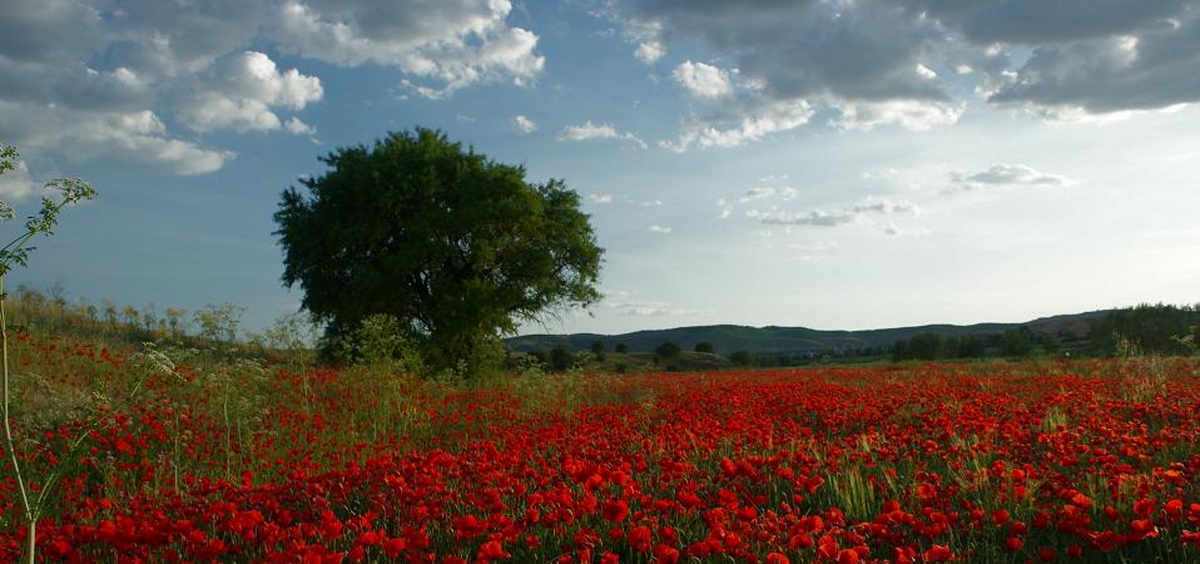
(772, 339)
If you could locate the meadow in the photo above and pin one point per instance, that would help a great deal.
(166, 454)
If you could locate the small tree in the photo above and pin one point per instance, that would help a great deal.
(741, 358)
(561, 359)
(668, 349)
(705, 347)
(622, 348)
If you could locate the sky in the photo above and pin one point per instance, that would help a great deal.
(835, 164)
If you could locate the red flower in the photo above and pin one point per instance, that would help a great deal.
(492, 550)
(616, 511)
(938, 553)
(665, 554)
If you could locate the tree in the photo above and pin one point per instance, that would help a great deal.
(668, 349)
(598, 349)
(622, 348)
(458, 248)
(705, 347)
(1015, 343)
(561, 359)
(741, 358)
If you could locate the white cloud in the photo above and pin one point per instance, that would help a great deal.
(452, 44)
(720, 132)
(757, 193)
(650, 52)
(15, 185)
(138, 137)
(654, 309)
(590, 130)
(1006, 175)
(909, 114)
(1099, 57)
(822, 218)
(725, 207)
(524, 124)
(659, 229)
(763, 192)
(600, 198)
(297, 127)
(703, 81)
(241, 92)
(192, 61)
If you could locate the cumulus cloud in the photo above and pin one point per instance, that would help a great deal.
(297, 127)
(1006, 175)
(649, 52)
(524, 124)
(138, 137)
(659, 229)
(600, 198)
(734, 130)
(589, 130)
(879, 64)
(910, 114)
(452, 44)
(15, 185)
(203, 65)
(242, 92)
(703, 81)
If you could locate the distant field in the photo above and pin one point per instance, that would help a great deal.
(243, 461)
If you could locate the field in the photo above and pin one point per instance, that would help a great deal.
(222, 460)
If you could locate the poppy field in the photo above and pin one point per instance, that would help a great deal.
(257, 461)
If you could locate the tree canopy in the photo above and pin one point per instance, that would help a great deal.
(458, 248)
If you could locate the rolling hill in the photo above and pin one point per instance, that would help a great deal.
(773, 339)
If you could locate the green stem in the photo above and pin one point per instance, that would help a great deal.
(10, 444)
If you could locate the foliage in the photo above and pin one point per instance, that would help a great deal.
(705, 347)
(456, 247)
(741, 358)
(995, 463)
(1151, 329)
(561, 359)
(219, 322)
(379, 341)
(33, 495)
(668, 349)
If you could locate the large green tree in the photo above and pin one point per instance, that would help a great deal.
(458, 248)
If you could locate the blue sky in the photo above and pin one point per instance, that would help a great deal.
(835, 164)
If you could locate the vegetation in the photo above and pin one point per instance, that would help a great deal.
(264, 462)
(457, 248)
(33, 495)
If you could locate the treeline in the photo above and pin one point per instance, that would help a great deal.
(1014, 343)
(1147, 329)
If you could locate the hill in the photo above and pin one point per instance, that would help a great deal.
(797, 340)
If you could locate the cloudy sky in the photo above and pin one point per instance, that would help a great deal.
(824, 163)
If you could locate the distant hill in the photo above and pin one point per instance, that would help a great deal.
(772, 340)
